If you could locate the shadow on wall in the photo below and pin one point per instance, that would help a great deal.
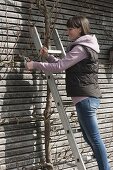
(21, 139)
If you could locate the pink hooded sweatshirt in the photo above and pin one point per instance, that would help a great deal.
(78, 53)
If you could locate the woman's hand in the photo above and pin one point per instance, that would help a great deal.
(44, 52)
(29, 65)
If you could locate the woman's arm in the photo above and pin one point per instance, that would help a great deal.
(52, 59)
(77, 54)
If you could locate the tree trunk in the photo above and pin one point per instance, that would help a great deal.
(47, 111)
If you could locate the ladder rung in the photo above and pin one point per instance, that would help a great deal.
(54, 51)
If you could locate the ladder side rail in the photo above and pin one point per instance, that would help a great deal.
(58, 42)
(60, 108)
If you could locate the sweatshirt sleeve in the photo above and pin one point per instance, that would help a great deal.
(77, 54)
(52, 59)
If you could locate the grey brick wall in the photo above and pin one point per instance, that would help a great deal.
(22, 129)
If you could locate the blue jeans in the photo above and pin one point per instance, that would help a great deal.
(86, 111)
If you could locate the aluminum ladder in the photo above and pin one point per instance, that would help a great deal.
(56, 96)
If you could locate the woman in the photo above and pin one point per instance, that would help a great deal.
(81, 66)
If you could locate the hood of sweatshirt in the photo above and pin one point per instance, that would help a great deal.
(87, 40)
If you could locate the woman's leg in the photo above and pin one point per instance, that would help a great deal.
(86, 111)
(85, 136)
